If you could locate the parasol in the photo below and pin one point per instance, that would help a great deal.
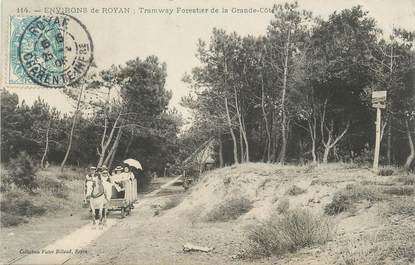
(133, 163)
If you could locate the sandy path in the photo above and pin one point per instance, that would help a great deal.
(74, 244)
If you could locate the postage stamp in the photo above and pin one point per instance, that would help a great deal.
(50, 51)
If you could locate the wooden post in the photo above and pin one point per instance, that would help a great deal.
(377, 144)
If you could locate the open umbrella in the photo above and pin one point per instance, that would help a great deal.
(133, 163)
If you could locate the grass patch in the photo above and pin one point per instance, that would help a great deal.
(229, 210)
(294, 190)
(390, 246)
(53, 187)
(68, 174)
(345, 199)
(404, 206)
(399, 190)
(360, 252)
(290, 232)
(406, 180)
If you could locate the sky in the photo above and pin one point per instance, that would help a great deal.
(173, 38)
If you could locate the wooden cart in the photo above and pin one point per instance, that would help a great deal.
(123, 200)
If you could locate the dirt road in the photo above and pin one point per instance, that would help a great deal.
(77, 243)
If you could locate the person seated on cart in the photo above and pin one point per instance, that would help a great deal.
(117, 179)
(106, 181)
(89, 177)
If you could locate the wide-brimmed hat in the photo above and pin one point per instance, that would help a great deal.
(118, 168)
(92, 168)
(104, 171)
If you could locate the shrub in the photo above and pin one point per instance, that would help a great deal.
(294, 190)
(345, 199)
(229, 210)
(406, 180)
(295, 230)
(283, 205)
(14, 203)
(386, 171)
(11, 220)
(5, 183)
(399, 190)
(54, 187)
(22, 171)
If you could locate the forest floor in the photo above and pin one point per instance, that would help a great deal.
(371, 219)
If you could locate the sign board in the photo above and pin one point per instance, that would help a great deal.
(379, 99)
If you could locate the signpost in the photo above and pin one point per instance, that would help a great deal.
(378, 102)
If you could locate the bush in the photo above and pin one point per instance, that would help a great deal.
(6, 183)
(294, 190)
(295, 230)
(345, 199)
(16, 204)
(229, 210)
(54, 187)
(399, 190)
(386, 171)
(11, 220)
(406, 180)
(22, 171)
(283, 205)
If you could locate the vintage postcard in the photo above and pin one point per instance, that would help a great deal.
(207, 132)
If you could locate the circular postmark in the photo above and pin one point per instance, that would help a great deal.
(55, 51)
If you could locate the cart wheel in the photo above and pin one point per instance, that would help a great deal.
(122, 212)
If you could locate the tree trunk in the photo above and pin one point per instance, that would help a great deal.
(326, 154)
(42, 161)
(220, 151)
(241, 145)
(389, 140)
(235, 147)
(313, 135)
(330, 142)
(242, 133)
(411, 155)
(268, 147)
(130, 141)
(68, 149)
(245, 140)
(111, 154)
(105, 144)
(284, 91)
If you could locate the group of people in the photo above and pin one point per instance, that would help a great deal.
(101, 187)
(116, 179)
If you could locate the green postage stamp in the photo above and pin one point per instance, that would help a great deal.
(49, 50)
